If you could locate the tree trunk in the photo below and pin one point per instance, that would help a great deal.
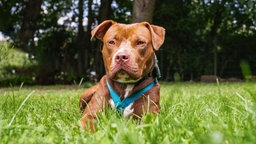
(211, 46)
(29, 23)
(81, 59)
(143, 10)
(105, 12)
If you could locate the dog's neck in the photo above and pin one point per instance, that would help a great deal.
(124, 90)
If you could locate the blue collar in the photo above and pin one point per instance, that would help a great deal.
(122, 104)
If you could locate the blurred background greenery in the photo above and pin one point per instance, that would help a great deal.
(48, 41)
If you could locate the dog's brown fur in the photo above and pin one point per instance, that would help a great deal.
(128, 54)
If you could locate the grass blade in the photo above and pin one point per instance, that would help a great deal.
(81, 81)
(14, 116)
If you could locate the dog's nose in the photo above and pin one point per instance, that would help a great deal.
(121, 57)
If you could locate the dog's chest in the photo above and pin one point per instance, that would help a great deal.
(128, 110)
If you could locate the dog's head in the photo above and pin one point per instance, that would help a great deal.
(128, 49)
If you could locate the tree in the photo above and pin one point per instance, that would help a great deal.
(82, 58)
(202, 37)
(105, 13)
(143, 10)
(195, 34)
(29, 23)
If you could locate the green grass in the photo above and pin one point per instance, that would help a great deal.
(190, 113)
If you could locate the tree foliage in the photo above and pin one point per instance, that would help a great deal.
(209, 37)
(195, 36)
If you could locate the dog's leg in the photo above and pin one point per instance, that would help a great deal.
(86, 97)
(94, 107)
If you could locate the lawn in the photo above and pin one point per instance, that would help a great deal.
(190, 113)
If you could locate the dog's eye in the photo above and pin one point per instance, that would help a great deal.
(111, 42)
(140, 42)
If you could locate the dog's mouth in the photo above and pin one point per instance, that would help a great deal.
(125, 74)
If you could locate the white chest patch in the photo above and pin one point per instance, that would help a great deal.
(128, 111)
(112, 104)
(127, 90)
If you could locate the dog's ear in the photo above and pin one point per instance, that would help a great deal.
(101, 29)
(157, 33)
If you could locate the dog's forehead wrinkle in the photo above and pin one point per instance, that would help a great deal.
(128, 30)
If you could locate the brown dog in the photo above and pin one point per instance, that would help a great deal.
(130, 83)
